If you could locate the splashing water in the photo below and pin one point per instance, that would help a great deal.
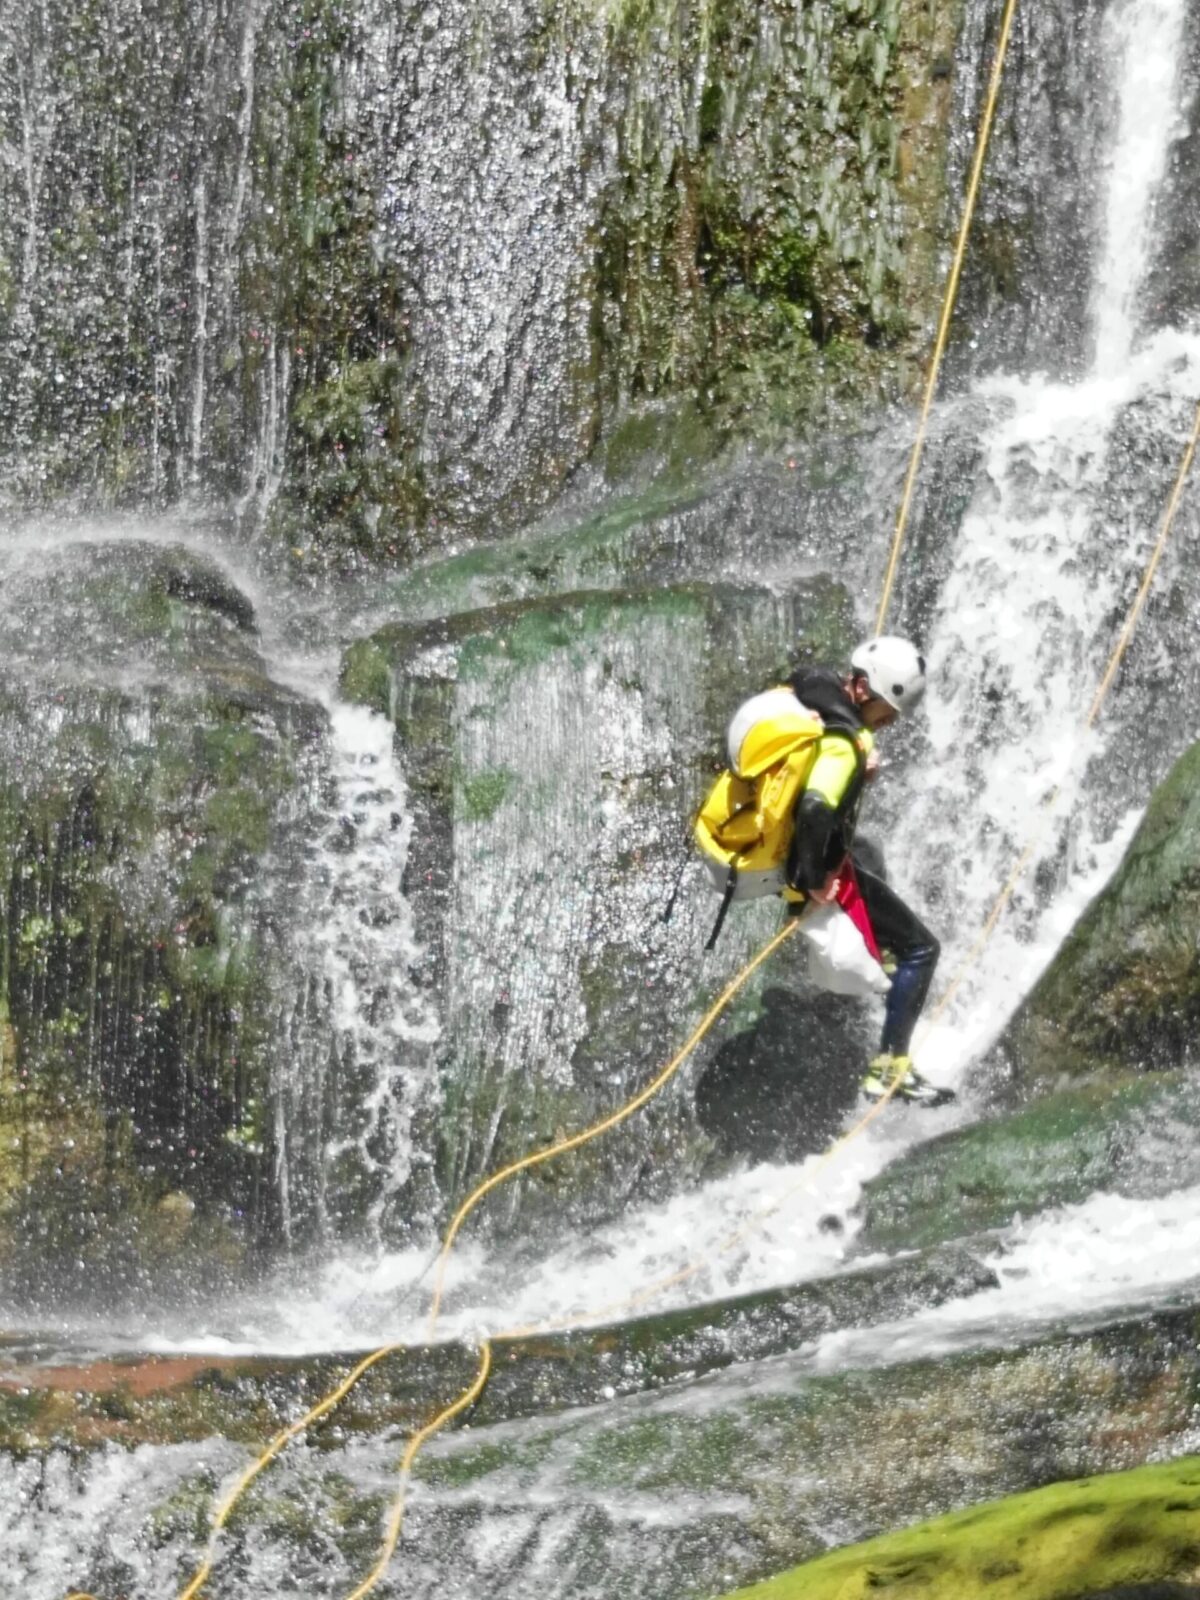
(355, 1010)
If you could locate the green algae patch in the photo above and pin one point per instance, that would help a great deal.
(1135, 1134)
(486, 792)
(1069, 1539)
(1124, 991)
(365, 677)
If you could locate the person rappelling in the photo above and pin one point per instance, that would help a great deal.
(782, 820)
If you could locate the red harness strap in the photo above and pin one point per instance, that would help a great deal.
(851, 901)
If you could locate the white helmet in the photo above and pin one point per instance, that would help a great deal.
(893, 668)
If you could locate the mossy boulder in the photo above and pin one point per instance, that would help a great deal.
(150, 765)
(1123, 993)
(1133, 1135)
(556, 750)
(1122, 1536)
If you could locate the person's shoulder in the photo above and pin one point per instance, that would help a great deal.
(815, 681)
(821, 689)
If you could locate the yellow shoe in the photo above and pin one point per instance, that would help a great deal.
(887, 1070)
(882, 1074)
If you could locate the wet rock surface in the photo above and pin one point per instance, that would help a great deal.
(1129, 1135)
(556, 749)
(151, 768)
(768, 1458)
(1123, 993)
(169, 1399)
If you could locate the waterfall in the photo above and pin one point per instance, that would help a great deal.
(352, 1069)
(1147, 40)
(1031, 587)
(1038, 577)
(487, 157)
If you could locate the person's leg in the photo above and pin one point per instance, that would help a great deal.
(912, 947)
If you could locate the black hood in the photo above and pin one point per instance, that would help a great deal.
(820, 689)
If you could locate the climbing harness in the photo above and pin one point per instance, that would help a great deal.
(754, 1222)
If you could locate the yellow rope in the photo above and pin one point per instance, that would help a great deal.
(1106, 683)
(334, 1397)
(268, 1455)
(981, 144)
(560, 1324)
(396, 1519)
(1135, 610)
(617, 1117)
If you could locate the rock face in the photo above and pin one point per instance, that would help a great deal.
(379, 278)
(1123, 993)
(150, 768)
(697, 1488)
(556, 750)
(1126, 1536)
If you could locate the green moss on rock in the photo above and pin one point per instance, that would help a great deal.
(157, 760)
(1124, 991)
(1131, 1134)
(1123, 1531)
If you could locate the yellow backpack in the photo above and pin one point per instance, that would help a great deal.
(744, 827)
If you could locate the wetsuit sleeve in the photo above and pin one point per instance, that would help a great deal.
(812, 843)
(833, 771)
(819, 842)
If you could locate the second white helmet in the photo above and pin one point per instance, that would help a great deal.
(894, 669)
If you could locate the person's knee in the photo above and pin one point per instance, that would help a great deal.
(922, 958)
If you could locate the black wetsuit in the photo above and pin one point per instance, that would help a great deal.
(824, 837)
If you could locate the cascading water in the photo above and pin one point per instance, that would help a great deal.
(1021, 621)
(1044, 561)
(1038, 579)
(353, 1024)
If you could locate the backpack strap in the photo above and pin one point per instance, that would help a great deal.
(726, 902)
(666, 913)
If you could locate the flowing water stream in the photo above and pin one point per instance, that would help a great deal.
(1031, 585)
(1041, 564)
